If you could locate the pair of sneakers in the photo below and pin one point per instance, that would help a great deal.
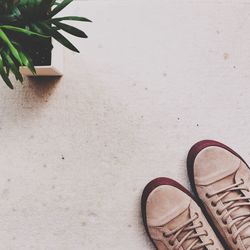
(220, 179)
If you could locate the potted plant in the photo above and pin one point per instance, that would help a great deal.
(27, 31)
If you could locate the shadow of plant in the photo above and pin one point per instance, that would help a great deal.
(43, 86)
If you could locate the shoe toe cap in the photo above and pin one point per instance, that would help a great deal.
(165, 203)
(214, 163)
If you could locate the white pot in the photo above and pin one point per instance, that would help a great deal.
(54, 69)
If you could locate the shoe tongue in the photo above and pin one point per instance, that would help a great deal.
(230, 180)
(181, 219)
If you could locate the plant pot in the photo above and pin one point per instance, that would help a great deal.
(47, 62)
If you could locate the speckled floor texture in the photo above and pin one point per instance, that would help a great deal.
(154, 77)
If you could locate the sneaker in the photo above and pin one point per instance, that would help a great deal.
(173, 220)
(221, 180)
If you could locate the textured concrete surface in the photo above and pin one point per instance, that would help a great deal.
(153, 78)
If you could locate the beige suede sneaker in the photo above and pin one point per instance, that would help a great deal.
(221, 180)
(173, 220)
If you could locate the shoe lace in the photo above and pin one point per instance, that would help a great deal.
(189, 227)
(242, 220)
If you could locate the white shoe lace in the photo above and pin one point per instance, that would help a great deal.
(190, 228)
(240, 221)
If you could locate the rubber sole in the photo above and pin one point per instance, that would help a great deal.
(151, 186)
(194, 151)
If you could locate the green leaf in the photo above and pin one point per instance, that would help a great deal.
(71, 18)
(11, 16)
(64, 41)
(58, 36)
(27, 62)
(4, 75)
(16, 11)
(7, 18)
(26, 59)
(11, 64)
(54, 3)
(24, 31)
(70, 29)
(10, 45)
(35, 28)
(59, 7)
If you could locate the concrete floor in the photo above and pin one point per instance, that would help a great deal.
(152, 79)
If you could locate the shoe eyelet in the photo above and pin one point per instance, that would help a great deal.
(171, 243)
(224, 222)
(218, 212)
(229, 231)
(213, 204)
(165, 235)
(208, 195)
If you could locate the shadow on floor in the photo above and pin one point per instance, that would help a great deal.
(42, 87)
